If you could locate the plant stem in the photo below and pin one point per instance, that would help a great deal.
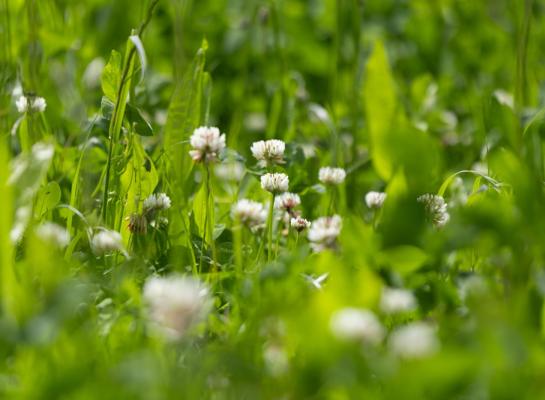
(210, 214)
(270, 228)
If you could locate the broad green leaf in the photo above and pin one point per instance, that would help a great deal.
(381, 103)
(111, 76)
(184, 115)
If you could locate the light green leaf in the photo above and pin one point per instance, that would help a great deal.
(111, 76)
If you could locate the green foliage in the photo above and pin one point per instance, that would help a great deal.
(435, 291)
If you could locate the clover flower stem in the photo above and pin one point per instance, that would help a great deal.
(237, 236)
(332, 198)
(270, 228)
(210, 214)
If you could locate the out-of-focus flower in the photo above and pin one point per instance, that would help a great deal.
(275, 183)
(53, 234)
(269, 152)
(207, 142)
(91, 75)
(138, 224)
(287, 201)
(436, 208)
(331, 175)
(415, 340)
(375, 199)
(276, 359)
(176, 303)
(299, 224)
(250, 213)
(230, 171)
(393, 301)
(356, 324)
(156, 202)
(324, 231)
(106, 242)
(31, 103)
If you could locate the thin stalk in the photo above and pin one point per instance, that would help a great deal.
(270, 229)
(210, 213)
(237, 233)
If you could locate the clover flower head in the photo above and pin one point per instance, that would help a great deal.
(323, 232)
(393, 301)
(356, 324)
(157, 202)
(275, 182)
(331, 175)
(54, 234)
(106, 242)
(436, 209)
(375, 200)
(176, 303)
(299, 224)
(287, 201)
(206, 142)
(415, 340)
(269, 152)
(251, 213)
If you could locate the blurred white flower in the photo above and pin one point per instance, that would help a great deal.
(250, 213)
(375, 199)
(415, 340)
(287, 201)
(106, 242)
(356, 324)
(299, 224)
(436, 208)
(394, 301)
(34, 104)
(53, 234)
(157, 202)
(207, 143)
(331, 175)
(323, 232)
(176, 303)
(269, 152)
(472, 286)
(230, 171)
(275, 183)
(91, 75)
(276, 359)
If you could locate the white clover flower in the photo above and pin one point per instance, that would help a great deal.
(53, 234)
(287, 201)
(34, 104)
(176, 303)
(323, 232)
(156, 202)
(269, 152)
(393, 301)
(415, 340)
(299, 224)
(106, 242)
(275, 183)
(436, 208)
(356, 324)
(331, 175)
(250, 213)
(230, 171)
(375, 199)
(207, 143)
